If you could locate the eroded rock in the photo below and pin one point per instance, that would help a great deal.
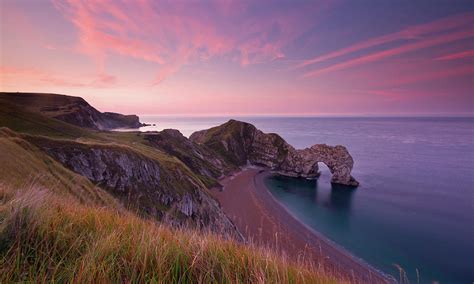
(166, 192)
(242, 143)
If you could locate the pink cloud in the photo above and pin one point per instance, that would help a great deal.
(424, 43)
(37, 76)
(40, 77)
(413, 32)
(457, 55)
(174, 34)
(430, 76)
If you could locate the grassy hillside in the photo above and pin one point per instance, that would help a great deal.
(38, 126)
(121, 164)
(58, 225)
(44, 238)
(23, 164)
(34, 124)
(22, 120)
(73, 110)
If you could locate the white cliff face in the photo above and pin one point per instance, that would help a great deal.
(247, 143)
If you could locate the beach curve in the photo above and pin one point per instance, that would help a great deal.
(265, 222)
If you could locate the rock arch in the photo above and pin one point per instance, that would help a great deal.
(304, 163)
(336, 158)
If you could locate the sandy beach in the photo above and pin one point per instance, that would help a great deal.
(262, 220)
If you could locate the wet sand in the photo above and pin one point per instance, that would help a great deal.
(264, 221)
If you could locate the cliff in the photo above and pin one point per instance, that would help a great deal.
(161, 175)
(202, 161)
(73, 110)
(152, 185)
(109, 192)
(165, 181)
(242, 143)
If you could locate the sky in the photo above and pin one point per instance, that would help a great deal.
(244, 57)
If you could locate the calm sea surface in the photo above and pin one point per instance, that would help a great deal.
(414, 207)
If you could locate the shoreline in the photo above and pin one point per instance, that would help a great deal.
(266, 222)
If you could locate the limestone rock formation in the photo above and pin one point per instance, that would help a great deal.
(197, 157)
(242, 143)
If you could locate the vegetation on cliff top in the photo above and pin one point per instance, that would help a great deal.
(35, 127)
(73, 110)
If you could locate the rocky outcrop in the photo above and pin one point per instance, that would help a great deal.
(166, 192)
(208, 166)
(73, 110)
(241, 143)
(305, 163)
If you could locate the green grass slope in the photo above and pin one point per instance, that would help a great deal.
(74, 110)
(180, 193)
(22, 164)
(36, 125)
(22, 120)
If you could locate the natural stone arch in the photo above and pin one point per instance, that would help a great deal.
(336, 158)
(304, 163)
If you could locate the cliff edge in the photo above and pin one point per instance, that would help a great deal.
(73, 110)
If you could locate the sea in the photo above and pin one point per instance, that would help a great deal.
(411, 217)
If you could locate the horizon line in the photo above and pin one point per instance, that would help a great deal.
(446, 115)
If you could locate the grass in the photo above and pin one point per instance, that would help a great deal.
(229, 131)
(57, 226)
(23, 163)
(38, 127)
(47, 238)
(21, 120)
(171, 168)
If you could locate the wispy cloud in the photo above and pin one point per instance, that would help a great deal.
(449, 29)
(457, 55)
(41, 77)
(174, 34)
(447, 38)
(420, 77)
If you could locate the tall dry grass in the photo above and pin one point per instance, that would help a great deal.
(46, 238)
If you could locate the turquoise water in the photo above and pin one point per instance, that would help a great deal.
(415, 204)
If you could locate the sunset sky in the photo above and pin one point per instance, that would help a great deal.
(244, 57)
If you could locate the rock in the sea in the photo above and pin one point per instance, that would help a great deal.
(241, 143)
